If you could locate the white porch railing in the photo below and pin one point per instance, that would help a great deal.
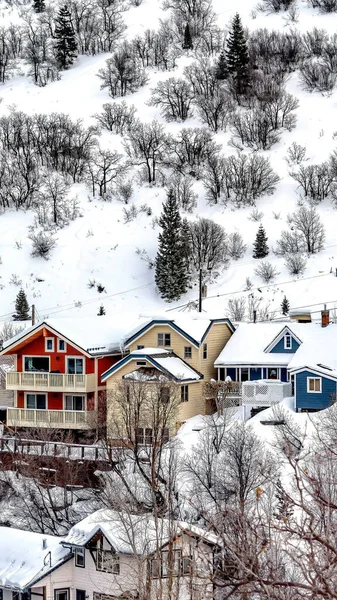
(265, 392)
(63, 419)
(50, 382)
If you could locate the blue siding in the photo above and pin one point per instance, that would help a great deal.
(231, 372)
(279, 348)
(318, 400)
(284, 375)
(255, 373)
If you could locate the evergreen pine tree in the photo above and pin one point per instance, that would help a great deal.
(101, 311)
(221, 72)
(66, 45)
(186, 242)
(285, 306)
(260, 245)
(21, 307)
(237, 55)
(188, 44)
(39, 6)
(171, 274)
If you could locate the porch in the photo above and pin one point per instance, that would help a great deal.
(54, 419)
(265, 392)
(50, 382)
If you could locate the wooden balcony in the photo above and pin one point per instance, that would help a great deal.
(50, 382)
(54, 419)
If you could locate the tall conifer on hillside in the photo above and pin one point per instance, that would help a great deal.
(171, 274)
(66, 45)
(221, 71)
(188, 44)
(260, 245)
(285, 306)
(39, 6)
(21, 307)
(237, 55)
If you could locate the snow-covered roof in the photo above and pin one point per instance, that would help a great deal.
(318, 349)
(132, 534)
(25, 557)
(248, 343)
(168, 362)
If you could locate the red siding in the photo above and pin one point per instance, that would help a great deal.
(55, 400)
(104, 364)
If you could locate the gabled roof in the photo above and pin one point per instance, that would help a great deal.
(194, 329)
(24, 559)
(250, 341)
(318, 348)
(285, 331)
(132, 534)
(321, 370)
(167, 362)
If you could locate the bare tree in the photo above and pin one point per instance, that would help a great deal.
(104, 168)
(307, 223)
(208, 246)
(266, 271)
(237, 308)
(182, 187)
(117, 117)
(174, 97)
(123, 73)
(146, 146)
(296, 264)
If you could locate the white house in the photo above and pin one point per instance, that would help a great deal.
(107, 556)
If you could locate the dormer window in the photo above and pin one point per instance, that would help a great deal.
(164, 339)
(288, 342)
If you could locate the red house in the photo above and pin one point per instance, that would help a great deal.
(57, 372)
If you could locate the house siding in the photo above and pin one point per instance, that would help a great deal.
(317, 401)
(280, 349)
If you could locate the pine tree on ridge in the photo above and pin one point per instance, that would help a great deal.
(21, 307)
(66, 45)
(260, 245)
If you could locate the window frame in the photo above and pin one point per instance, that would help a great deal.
(309, 391)
(58, 345)
(52, 340)
(141, 363)
(77, 595)
(288, 337)
(25, 356)
(162, 571)
(73, 396)
(103, 553)
(187, 352)
(75, 358)
(166, 338)
(57, 590)
(273, 369)
(35, 394)
(80, 552)
(140, 347)
(205, 351)
(184, 393)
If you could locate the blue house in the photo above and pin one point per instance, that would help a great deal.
(301, 353)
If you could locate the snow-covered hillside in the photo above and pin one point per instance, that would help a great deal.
(100, 246)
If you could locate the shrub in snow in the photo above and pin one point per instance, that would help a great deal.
(316, 181)
(174, 98)
(295, 154)
(314, 42)
(266, 271)
(289, 243)
(117, 117)
(235, 246)
(317, 75)
(123, 73)
(236, 308)
(182, 187)
(123, 190)
(255, 215)
(253, 129)
(42, 244)
(325, 6)
(296, 264)
(275, 5)
(130, 213)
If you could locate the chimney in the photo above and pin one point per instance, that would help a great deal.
(325, 317)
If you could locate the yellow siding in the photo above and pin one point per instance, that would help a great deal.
(216, 340)
(150, 338)
(196, 402)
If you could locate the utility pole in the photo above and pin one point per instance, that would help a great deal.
(33, 314)
(200, 290)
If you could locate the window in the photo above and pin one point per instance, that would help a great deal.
(62, 594)
(244, 374)
(272, 373)
(165, 395)
(74, 402)
(80, 594)
(61, 345)
(107, 561)
(170, 563)
(140, 347)
(204, 351)
(36, 363)
(288, 342)
(144, 436)
(49, 345)
(141, 363)
(98, 596)
(75, 366)
(36, 401)
(80, 557)
(188, 352)
(184, 393)
(314, 385)
(1, 595)
(164, 339)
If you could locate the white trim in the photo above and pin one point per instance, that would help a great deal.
(84, 396)
(296, 370)
(78, 358)
(34, 356)
(35, 393)
(320, 385)
(286, 336)
(44, 325)
(162, 324)
(279, 336)
(46, 340)
(58, 345)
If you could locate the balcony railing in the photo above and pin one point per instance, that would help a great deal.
(53, 382)
(55, 419)
(265, 392)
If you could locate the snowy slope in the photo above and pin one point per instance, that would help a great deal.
(98, 245)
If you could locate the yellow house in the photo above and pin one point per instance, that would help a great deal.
(167, 359)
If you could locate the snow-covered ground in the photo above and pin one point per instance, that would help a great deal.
(99, 245)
